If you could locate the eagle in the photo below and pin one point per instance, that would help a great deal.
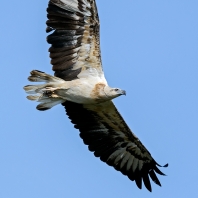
(80, 86)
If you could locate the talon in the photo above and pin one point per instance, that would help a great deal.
(47, 93)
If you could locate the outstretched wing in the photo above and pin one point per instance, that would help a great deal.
(107, 135)
(75, 44)
(75, 48)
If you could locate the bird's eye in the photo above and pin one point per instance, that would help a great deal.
(116, 89)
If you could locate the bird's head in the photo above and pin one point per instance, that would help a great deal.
(113, 92)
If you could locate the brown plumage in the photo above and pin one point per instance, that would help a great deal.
(75, 41)
(76, 59)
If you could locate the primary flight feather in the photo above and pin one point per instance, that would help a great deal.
(80, 86)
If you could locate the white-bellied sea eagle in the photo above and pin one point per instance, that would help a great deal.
(80, 86)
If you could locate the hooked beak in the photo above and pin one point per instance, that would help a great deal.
(123, 92)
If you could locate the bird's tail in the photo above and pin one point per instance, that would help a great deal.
(44, 93)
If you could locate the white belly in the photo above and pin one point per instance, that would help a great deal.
(82, 92)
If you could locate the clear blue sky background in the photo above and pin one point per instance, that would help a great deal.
(150, 49)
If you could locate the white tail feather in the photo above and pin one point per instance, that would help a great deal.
(45, 93)
(33, 97)
(33, 89)
(38, 76)
(49, 105)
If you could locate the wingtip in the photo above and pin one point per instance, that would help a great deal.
(138, 182)
(150, 190)
(159, 171)
(166, 165)
(49, 29)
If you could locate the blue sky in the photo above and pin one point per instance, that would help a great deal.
(150, 49)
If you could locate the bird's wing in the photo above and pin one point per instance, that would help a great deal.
(75, 44)
(75, 48)
(107, 135)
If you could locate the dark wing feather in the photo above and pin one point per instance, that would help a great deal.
(74, 42)
(75, 47)
(107, 135)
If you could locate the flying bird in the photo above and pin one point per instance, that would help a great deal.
(80, 86)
